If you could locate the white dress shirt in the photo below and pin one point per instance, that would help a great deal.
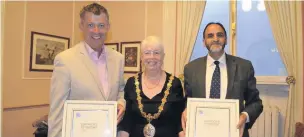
(210, 67)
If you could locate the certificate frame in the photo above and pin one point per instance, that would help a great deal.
(207, 114)
(84, 118)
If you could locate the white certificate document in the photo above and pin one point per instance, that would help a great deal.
(89, 119)
(212, 118)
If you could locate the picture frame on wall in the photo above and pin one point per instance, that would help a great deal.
(131, 52)
(44, 48)
(114, 46)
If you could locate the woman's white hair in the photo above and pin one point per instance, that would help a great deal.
(152, 40)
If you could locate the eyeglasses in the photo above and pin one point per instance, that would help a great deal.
(150, 52)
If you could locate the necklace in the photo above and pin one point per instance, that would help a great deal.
(155, 84)
(149, 129)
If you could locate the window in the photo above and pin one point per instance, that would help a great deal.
(211, 15)
(254, 38)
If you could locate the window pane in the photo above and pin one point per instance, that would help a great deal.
(255, 40)
(215, 11)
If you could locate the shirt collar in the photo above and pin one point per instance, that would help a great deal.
(222, 60)
(94, 53)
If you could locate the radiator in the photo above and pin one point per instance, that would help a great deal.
(267, 124)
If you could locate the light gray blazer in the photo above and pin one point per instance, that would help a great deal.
(75, 78)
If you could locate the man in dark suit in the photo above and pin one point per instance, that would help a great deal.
(222, 76)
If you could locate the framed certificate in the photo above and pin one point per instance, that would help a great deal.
(212, 118)
(89, 119)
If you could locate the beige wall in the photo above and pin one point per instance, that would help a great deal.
(25, 93)
(20, 85)
(17, 122)
(303, 51)
(1, 43)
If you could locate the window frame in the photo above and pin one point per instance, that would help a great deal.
(274, 80)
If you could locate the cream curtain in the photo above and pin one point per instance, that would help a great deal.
(286, 23)
(189, 16)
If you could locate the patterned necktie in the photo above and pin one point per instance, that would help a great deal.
(215, 91)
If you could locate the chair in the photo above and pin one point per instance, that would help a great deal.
(42, 126)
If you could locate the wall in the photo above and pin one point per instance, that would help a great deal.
(22, 88)
(21, 19)
(25, 93)
(17, 122)
(303, 51)
(1, 43)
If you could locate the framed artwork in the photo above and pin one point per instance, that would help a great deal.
(44, 48)
(114, 46)
(131, 52)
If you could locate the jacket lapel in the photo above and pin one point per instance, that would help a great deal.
(87, 61)
(110, 67)
(231, 69)
(202, 77)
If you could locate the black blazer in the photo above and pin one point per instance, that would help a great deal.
(241, 84)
